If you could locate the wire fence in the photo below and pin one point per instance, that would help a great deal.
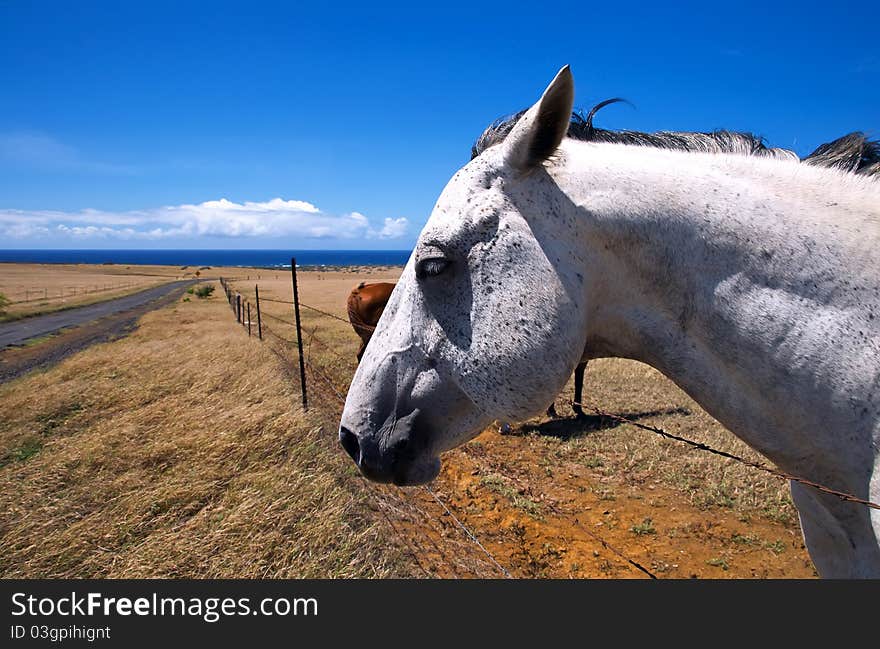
(24, 296)
(391, 503)
(730, 456)
(397, 505)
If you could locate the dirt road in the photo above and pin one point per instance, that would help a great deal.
(20, 331)
(79, 328)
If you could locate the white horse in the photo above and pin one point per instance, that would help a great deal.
(752, 282)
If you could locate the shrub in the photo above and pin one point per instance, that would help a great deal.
(204, 291)
(4, 302)
(643, 528)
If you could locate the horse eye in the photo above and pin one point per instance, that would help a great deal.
(431, 267)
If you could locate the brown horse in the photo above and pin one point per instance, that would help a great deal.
(366, 303)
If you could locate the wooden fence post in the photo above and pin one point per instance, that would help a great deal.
(299, 343)
(238, 307)
(249, 318)
(259, 320)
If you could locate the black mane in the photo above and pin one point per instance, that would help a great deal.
(853, 153)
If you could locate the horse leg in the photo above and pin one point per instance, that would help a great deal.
(362, 349)
(839, 535)
(579, 388)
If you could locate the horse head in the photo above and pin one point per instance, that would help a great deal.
(488, 318)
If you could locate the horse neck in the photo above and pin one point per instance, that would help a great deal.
(686, 254)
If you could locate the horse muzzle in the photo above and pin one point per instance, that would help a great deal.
(396, 454)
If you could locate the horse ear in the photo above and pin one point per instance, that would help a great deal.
(539, 131)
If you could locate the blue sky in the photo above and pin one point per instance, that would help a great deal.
(319, 125)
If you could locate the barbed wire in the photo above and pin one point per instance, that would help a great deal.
(381, 499)
(276, 335)
(328, 348)
(430, 519)
(45, 294)
(705, 447)
(318, 372)
(315, 309)
(406, 540)
(327, 381)
(263, 298)
(326, 313)
(469, 534)
(553, 508)
(275, 317)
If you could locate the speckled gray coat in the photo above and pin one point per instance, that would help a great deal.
(752, 283)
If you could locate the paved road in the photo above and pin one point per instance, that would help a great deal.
(19, 331)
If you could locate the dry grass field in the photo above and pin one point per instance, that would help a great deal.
(181, 451)
(178, 451)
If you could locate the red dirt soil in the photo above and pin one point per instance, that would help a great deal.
(556, 523)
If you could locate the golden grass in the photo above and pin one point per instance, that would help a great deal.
(177, 452)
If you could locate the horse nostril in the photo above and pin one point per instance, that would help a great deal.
(350, 443)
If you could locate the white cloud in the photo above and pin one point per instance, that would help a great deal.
(393, 228)
(24, 230)
(219, 218)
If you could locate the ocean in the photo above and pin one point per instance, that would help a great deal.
(254, 258)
